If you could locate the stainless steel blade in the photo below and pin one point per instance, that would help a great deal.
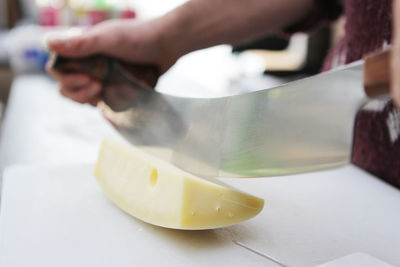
(302, 126)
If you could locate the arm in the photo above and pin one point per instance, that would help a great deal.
(204, 23)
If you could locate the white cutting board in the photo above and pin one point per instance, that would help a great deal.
(58, 216)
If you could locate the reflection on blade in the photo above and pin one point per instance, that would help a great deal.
(302, 126)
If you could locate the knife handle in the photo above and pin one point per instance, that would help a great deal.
(102, 68)
(97, 67)
(377, 73)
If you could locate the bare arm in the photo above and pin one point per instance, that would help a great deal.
(204, 23)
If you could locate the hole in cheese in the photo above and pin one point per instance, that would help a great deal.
(153, 177)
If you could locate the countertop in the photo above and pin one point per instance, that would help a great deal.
(57, 215)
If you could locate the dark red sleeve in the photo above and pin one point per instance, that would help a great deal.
(324, 11)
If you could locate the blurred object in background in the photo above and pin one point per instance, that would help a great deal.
(82, 12)
(10, 14)
(289, 59)
(302, 54)
(3, 14)
(98, 11)
(276, 59)
(90, 12)
(3, 49)
(262, 60)
(14, 12)
(26, 49)
(270, 42)
(50, 12)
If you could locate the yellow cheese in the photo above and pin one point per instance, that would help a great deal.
(161, 194)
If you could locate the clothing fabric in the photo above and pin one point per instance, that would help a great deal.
(376, 145)
(368, 28)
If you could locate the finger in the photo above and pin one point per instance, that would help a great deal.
(84, 95)
(79, 46)
(55, 74)
(74, 81)
(102, 38)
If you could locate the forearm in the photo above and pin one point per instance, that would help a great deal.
(203, 23)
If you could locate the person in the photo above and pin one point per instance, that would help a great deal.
(197, 24)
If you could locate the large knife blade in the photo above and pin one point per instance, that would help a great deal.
(301, 126)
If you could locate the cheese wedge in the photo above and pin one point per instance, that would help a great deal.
(161, 194)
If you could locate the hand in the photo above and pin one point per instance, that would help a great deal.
(395, 57)
(129, 40)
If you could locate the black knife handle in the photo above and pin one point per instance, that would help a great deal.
(102, 68)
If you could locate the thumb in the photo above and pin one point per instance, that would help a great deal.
(78, 46)
(101, 38)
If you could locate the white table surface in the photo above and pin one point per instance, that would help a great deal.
(41, 126)
(58, 216)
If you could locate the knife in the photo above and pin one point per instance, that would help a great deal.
(302, 126)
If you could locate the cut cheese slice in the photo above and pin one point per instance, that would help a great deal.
(161, 194)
